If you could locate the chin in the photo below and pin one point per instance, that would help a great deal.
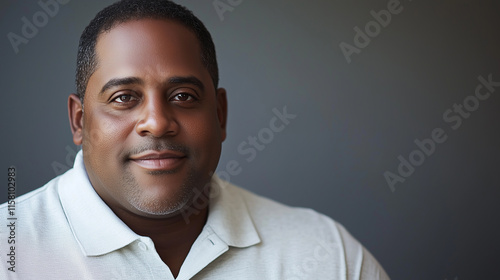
(159, 208)
(160, 200)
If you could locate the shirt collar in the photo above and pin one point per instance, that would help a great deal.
(229, 217)
(96, 228)
(99, 231)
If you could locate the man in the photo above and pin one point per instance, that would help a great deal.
(141, 201)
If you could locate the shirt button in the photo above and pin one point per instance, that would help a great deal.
(142, 246)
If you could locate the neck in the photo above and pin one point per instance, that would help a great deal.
(167, 227)
(172, 236)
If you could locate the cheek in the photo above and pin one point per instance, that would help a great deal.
(202, 126)
(103, 135)
(203, 133)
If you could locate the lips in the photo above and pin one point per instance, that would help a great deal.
(158, 160)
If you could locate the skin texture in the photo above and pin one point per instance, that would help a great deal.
(151, 97)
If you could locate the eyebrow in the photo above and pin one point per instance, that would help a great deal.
(187, 80)
(134, 80)
(120, 82)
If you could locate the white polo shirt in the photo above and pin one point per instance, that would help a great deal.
(64, 230)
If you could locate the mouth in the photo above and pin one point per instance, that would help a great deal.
(158, 160)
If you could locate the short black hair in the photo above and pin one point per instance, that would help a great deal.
(126, 10)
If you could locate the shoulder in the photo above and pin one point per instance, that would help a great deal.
(272, 215)
(44, 198)
(38, 215)
(314, 238)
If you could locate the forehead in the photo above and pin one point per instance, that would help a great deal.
(152, 45)
(147, 33)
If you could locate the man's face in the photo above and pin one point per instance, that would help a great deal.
(152, 122)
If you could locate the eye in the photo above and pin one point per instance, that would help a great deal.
(183, 97)
(124, 98)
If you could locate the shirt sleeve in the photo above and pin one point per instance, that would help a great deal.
(360, 263)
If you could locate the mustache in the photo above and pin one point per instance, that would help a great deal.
(158, 145)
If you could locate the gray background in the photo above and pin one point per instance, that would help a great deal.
(353, 119)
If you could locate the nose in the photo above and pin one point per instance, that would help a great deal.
(156, 119)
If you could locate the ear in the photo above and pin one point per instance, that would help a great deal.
(222, 110)
(75, 112)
